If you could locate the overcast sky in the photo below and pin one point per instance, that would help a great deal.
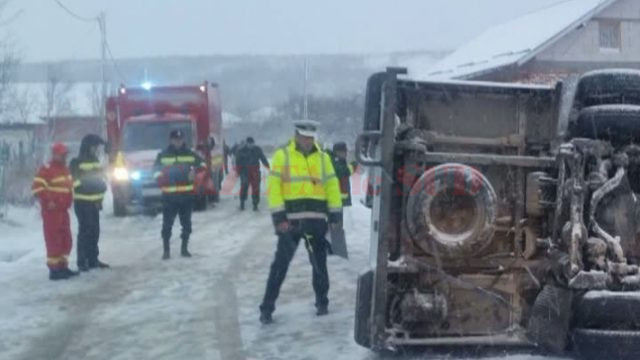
(136, 28)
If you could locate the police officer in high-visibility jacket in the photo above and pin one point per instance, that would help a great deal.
(89, 188)
(304, 193)
(175, 169)
(53, 186)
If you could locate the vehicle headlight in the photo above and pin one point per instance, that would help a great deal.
(121, 174)
(136, 175)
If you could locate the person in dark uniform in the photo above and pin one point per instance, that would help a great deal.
(248, 159)
(89, 188)
(343, 170)
(175, 168)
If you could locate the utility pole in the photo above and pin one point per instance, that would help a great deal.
(306, 91)
(102, 21)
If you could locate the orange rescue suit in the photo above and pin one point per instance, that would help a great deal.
(53, 186)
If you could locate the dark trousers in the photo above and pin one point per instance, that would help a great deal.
(173, 205)
(312, 233)
(88, 214)
(250, 177)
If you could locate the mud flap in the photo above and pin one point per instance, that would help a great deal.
(362, 331)
(338, 243)
(548, 326)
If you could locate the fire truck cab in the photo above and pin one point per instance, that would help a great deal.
(139, 121)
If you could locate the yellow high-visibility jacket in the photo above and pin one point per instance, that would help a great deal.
(303, 187)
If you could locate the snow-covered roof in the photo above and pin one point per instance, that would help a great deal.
(516, 41)
(489, 84)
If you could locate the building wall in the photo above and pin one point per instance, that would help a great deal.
(583, 44)
(579, 51)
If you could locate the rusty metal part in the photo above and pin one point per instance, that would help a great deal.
(596, 253)
(513, 140)
(462, 284)
(590, 280)
(622, 269)
(575, 232)
(430, 308)
(613, 242)
(485, 159)
(451, 211)
(531, 245)
(534, 194)
(515, 338)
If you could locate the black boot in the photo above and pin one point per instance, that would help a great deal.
(166, 254)
(83, 266)
(265, 318)
(255, 207)
(241, 205)
(70, 272)
(58, 275)
(184, 251)
(97, 264)
(322, 310)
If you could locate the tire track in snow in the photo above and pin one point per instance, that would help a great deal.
(54, 343)
(224, 235)
(227, 317)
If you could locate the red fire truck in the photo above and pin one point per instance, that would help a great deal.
(139, 121)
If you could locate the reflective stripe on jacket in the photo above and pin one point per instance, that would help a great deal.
(53, 185)
(89, 179)
(172, 169)
(303, 186)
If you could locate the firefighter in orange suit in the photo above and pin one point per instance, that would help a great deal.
(53, 186)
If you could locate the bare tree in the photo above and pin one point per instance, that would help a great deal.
(23, 105)
(9, 61)
(57, 91)
(95, 99)
(8, 68)
(57, 96)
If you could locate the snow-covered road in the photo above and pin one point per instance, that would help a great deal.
(199, 308)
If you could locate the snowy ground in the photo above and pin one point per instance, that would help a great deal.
(199, 308)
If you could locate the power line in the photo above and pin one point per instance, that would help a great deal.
(114, 63)
(73, 14)
(101, 26)
(111, 57)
